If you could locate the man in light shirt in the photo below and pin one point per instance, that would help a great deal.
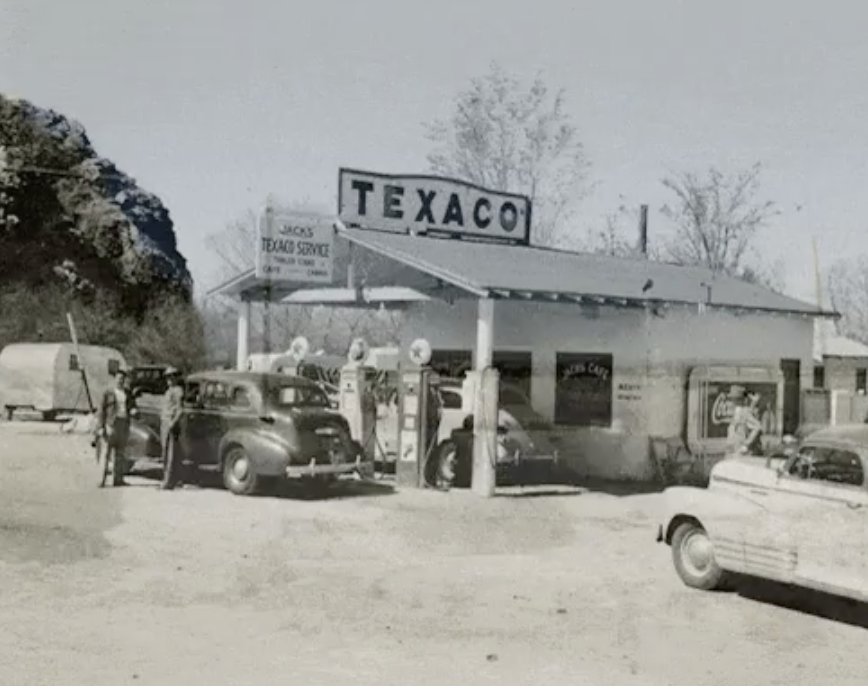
(170, 417)
(118, 406)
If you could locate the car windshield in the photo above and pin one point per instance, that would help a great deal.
(299, 396)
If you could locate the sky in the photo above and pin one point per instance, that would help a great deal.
(214, 104)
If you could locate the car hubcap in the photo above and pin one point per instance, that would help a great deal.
(697, 553)
(240, 468)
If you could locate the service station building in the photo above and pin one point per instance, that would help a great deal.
(617, 353)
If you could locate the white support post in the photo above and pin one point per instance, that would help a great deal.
(485, 406)
(484, 334)
(243, 345)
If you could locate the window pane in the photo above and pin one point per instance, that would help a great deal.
(451, 400)
(839, 466)
(452, 364)
(191, 393)
(584, 389)
(515, 369)
(241, 398)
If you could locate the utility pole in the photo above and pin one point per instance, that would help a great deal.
(266, 324)
(74, 336)
(643, 230)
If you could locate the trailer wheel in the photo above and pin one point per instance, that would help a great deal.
(49, 416)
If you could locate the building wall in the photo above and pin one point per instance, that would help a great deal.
(840, 372)
(651, 358)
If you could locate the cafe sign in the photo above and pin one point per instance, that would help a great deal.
(431, 205)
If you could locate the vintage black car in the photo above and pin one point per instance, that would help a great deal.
(255, 428)
(149, 379)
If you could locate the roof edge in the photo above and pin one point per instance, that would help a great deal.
(403, 258)
(238, 278)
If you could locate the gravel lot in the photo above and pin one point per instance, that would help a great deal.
(134, 585)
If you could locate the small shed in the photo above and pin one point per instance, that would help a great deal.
(47, 378)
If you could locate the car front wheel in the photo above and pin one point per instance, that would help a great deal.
(693, 555)
(239, 474)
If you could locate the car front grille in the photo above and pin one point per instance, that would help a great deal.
(333, 445)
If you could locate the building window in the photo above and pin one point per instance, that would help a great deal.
(861, 378)
(452, 364)
(583, 396)
(515, 368)
(819, 376)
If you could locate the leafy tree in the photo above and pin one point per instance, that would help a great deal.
(510, 137)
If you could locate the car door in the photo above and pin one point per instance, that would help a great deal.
(212, 423)
(191, 417)
(243, 408)
(832, 533)
(786, 500)
(197, 424)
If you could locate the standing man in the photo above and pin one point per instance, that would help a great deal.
(169, 429)
(118, 406)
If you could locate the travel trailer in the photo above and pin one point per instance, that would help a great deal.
(47, 377)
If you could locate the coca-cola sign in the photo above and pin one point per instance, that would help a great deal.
(720, 407)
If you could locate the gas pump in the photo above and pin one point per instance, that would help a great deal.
(418, 416)
(356, 400)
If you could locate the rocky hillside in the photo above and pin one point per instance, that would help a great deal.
(77, 233)
(67, 212)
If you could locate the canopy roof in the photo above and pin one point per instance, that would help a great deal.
(408, 268)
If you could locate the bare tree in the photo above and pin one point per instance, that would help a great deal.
(717, 218)
(847, 283)
(612, 239)
(509, 137)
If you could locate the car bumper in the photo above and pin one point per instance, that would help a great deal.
(518, 458)
(363, 468)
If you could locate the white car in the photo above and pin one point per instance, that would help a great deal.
(802, 520)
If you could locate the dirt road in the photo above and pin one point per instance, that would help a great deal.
(134, 585)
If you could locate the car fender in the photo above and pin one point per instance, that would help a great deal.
(721, 514)
(143, 441)
(269, 453)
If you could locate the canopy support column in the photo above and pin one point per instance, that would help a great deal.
(485, 406)
(243, 346)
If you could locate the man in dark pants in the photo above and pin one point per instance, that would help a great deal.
(170, 418)
(118, 406)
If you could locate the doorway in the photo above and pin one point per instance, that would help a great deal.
(792, 395)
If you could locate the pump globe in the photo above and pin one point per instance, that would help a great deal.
(420, 352)
(358, 350)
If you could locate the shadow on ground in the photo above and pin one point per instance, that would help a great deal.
(539, 491)
(619, 488)
(288, 489)
(815, 603)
